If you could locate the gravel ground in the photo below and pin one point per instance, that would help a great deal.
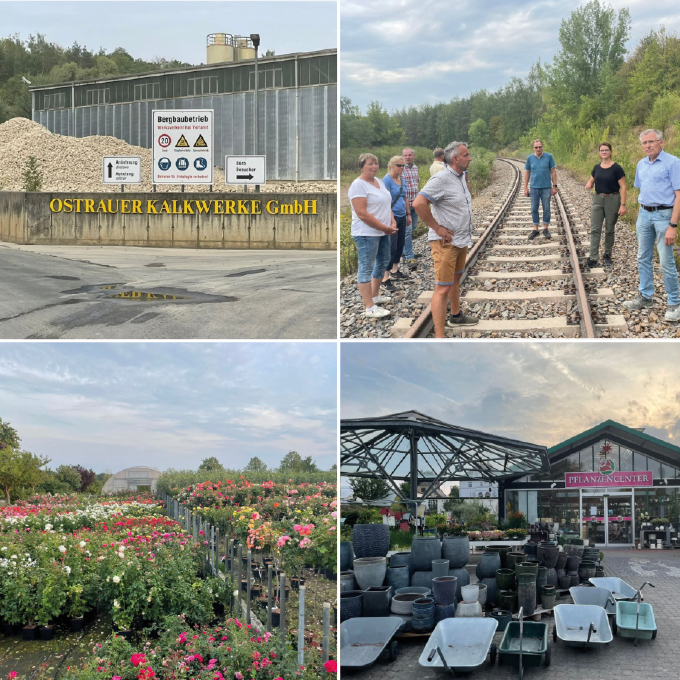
(75, 164)
(622, 278)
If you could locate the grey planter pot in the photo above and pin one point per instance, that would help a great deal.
(444, 611)
(491, 591)
(573, 562)
(526, 595)
(377, 601)
(422, 625)
(347, 581)
(421, 592)
(422, 579)
(370, 571)
(398, 577)
(489, 565)
(548, 555)
(456, 549)
(351, 604)
(423, 607)
(403, 604)
(552, 577)
(401, 559)
(440, 568)
(371, 540)
(463, 579)
(561, 561)
(444, 590)
(423, 551)
(346, 555)
(541, 580)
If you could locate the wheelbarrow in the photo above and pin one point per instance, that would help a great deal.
(524, 644)
(582, 625)
(363, 640)
(619, 589)
(460, 645)
(599, 597)
(636, 619)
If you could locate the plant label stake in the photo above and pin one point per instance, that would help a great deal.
(238, 578)
(250, 564)
(301, 627)
(282, 607)
(269, 598)
(326, 631)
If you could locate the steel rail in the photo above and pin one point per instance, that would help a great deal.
(586, 321)
(424, 324)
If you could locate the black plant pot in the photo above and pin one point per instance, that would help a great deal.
(276, 618)
(77, 624)
(296, 582)
(30, 631)
(46, 632)
(370, 540)
(8, 629)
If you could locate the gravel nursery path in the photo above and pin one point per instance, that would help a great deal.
(409, 302)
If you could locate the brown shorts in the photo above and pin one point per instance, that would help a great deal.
(448, 261)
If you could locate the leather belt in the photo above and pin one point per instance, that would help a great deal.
(654, 208)
(616, 193)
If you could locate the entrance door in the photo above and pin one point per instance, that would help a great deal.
(607, 519)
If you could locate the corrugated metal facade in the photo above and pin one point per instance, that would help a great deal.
(298, 125)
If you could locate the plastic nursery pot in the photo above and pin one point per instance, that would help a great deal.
(296, 582)
(30, 631)
(77, 624)
(276, 617)
(8, 629)
(46, 632)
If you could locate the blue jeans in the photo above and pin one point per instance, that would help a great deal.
(542, 194)
(651, 228)
(374, 254)
(397, 240)
(408, 239)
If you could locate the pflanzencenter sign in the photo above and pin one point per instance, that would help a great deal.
(575, 480)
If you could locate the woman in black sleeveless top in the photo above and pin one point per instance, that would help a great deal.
(609, 201)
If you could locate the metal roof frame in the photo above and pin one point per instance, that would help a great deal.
(412, 447)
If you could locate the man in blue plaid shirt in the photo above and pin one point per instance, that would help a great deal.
(411, 182)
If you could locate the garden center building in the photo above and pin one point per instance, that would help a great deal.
(602, 485)
(132, 479)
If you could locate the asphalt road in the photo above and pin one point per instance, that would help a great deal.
(50, 292)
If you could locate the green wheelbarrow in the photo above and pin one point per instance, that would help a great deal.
(524, 644)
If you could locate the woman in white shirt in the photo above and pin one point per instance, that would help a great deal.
(372, 225)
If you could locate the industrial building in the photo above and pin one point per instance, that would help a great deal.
(297, 106)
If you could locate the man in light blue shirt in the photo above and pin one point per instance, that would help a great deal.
(658, 178)
(540, 169)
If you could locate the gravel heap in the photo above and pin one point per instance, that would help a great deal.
(75, 164)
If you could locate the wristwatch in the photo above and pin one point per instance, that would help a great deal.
(675, 226)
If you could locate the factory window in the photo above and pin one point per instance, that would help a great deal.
(267, 79)
(99, 96)
(147, 91)
(204, 85)
(55, 101)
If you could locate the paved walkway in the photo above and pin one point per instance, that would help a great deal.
(619, 660)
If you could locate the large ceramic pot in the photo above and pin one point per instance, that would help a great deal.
(586, 570)
(444, 589)
(371, 540)
(423, 551)
(346, 555)
(507, 599)
(564, 581)
(456, 549)
(491, 591)
(398, 577)
(421, 592)
(469, 610)
(422, 579)
(526, 568)
(347, 581)
(470, 593)
(505, 579)
(574, 550)
(370, 571)
(401, 559)
(440, 568)
(503, 551)
(489, 565)
(526, 593)
(351, 604)
(444, 611)
(561, 561)
(423, 607)
(377, 601)
(573, 562)
(541, 580)
(422, 625)
(403, 604)
(463, 578)
(530, 549)
(551, 579)
(512, 558)
(547, 555)
(548, 596)
(502, 616)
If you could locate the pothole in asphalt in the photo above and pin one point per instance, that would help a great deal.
(120, 291)
(64, 278)
(245, 273)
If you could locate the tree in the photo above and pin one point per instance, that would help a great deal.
(87, 477)
(69, 477)
(369, 489)
(294, 462)
(454, 499)
(406, 489)
(255, 465)
(18, 469)
(665, 112)
(479, 134)
(8, 436)
(210, 465)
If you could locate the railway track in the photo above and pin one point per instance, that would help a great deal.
(505, 271)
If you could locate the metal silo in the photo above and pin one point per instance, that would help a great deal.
(244, 48)
(220, 48)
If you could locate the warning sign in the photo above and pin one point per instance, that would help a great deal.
(175, 160)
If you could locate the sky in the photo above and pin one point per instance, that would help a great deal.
(409, 52)
(542, 393)
(174, 30)
(109, 406)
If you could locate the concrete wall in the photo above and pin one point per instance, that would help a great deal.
(26, 218)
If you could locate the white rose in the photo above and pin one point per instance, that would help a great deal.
(116, 579)
(116, 605)
(82, 544)
(67, 569)
(13, 557)
(62, 549)
(121, 548)
(4, 547)
(48, 527)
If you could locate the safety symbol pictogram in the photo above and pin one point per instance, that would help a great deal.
(182, 142)
(200, 143)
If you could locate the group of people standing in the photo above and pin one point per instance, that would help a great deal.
(385, 214)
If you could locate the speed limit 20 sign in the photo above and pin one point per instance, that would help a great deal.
(183, 146)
